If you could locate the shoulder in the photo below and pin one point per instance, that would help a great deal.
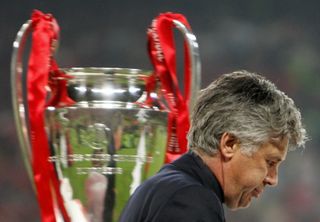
(192, 203)
(198, 196)
(170, 178)
(158, 189)
(169, 191)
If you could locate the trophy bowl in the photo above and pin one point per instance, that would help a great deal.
(106, 143)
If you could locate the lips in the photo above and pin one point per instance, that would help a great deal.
(257, 192)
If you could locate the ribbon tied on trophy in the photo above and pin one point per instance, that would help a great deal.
(163, 56)
(42, 67)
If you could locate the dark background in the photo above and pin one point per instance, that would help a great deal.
(279, 39)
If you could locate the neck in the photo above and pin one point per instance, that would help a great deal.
(215, 164)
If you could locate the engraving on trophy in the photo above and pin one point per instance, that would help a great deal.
(101, 170)
(95, 136)
(101, 157)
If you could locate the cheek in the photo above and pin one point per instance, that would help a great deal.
(248, 171)
(256, 177)
(252, 177)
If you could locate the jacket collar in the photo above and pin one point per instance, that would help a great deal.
(192, 164)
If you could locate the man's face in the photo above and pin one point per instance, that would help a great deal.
(249, 174)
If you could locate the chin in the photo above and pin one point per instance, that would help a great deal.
(238, 207)
(241, 204)
(244, 204)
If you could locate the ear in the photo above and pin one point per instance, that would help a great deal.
(229, 144)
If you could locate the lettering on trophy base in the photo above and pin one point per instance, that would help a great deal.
(101, 170)
(100, 158)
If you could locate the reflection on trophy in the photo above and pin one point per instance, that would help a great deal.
(108, 137)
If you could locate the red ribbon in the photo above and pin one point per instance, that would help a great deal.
(58, 85)
(45, 32)
(163, 56)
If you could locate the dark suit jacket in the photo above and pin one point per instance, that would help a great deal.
(184, 191)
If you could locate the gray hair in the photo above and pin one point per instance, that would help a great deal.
(247, 106)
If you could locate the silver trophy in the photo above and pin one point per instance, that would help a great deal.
(104, 145)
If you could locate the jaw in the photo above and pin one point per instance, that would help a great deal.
(242, 200)
(245, 201)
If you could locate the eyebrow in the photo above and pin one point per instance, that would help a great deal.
(276, 158)
(277, 142)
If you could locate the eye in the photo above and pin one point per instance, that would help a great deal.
(271, 163)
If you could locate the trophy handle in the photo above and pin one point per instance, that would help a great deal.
(193, 47)
(18, 100)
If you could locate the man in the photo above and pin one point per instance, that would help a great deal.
(241, 129)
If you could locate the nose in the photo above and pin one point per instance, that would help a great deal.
(271, 179)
